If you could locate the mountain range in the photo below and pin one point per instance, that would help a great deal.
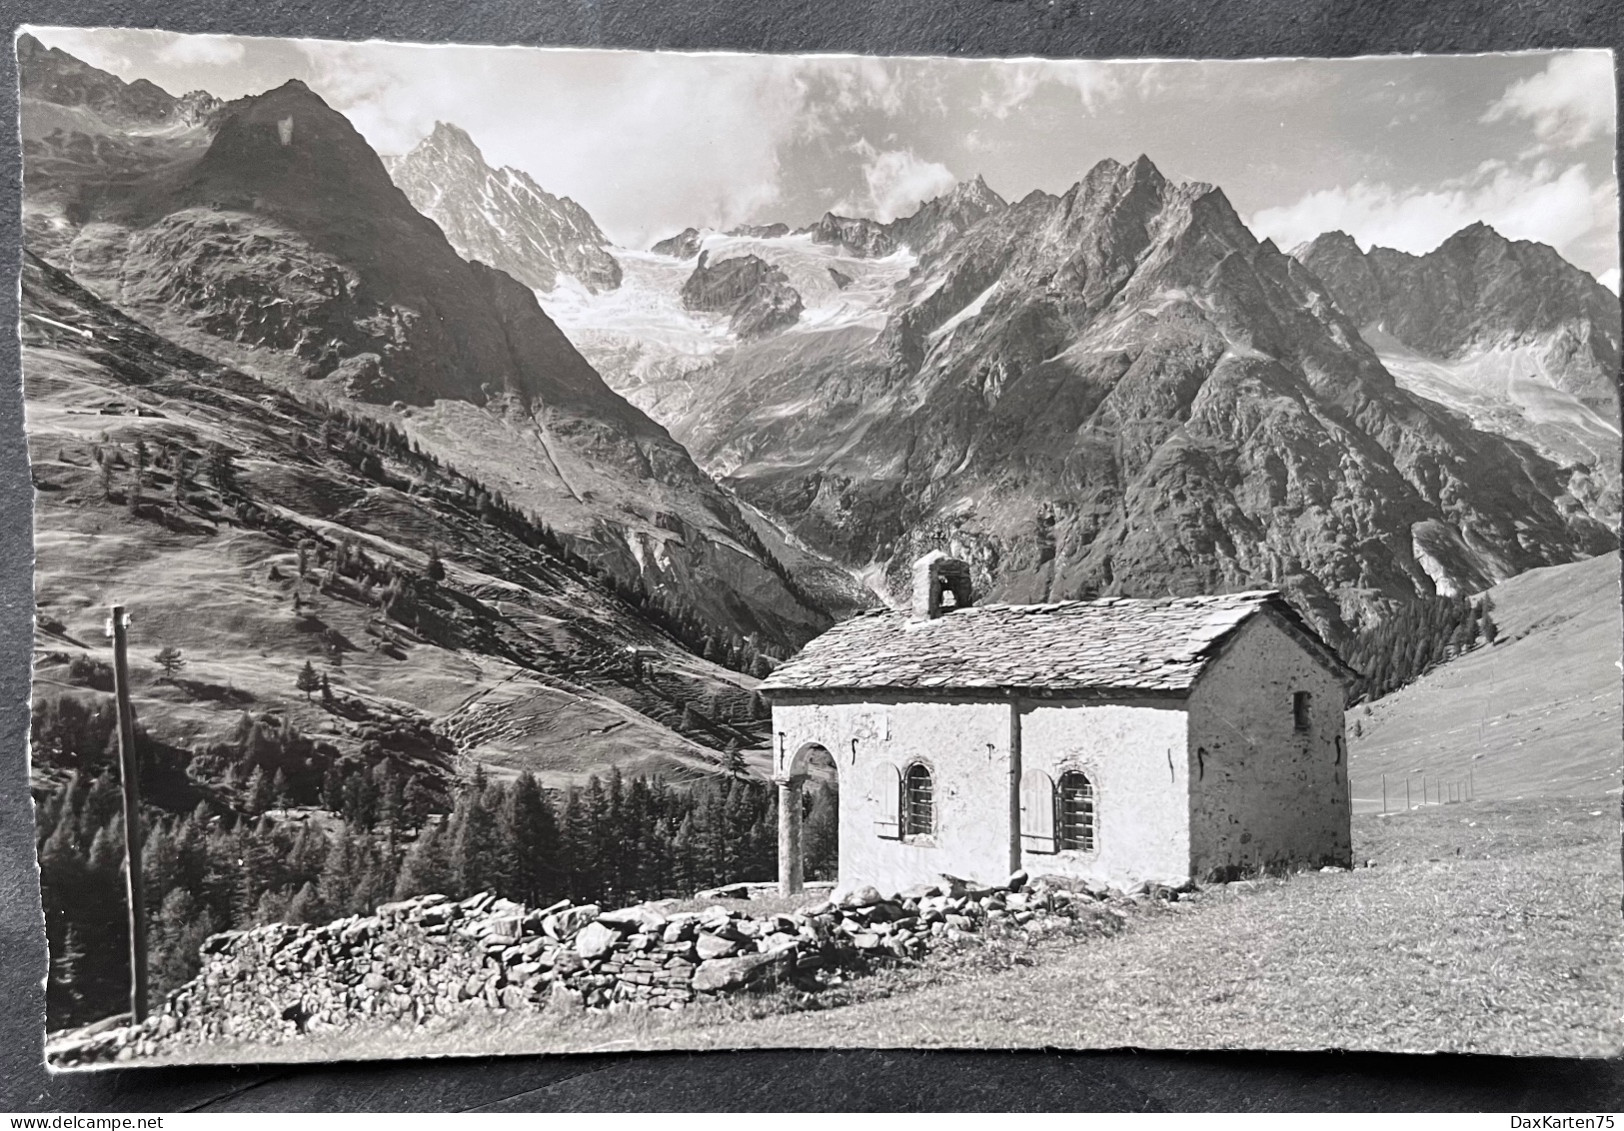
(1507, 332)
(1118, 389)
(1121, 389)
(271, 237)
(501, 216)
(256, 533)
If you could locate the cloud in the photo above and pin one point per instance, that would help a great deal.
(1609, 279)
(593, 124)
(1557, 207)
(201, 50)
(898, 182)
(88, 45)
(1010, 86)
(1568, 103)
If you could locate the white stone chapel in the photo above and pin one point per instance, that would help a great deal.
(1119, 740)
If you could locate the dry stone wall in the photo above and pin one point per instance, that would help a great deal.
(430, 956)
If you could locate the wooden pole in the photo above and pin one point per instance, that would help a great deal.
(1407, 793)
(1471, 788)
(1384, 795)
(129, 776)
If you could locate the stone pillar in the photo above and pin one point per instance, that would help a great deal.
(790, 880)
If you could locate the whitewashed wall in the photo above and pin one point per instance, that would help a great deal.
(1136, 756)
(966, 745)
(1262, 792)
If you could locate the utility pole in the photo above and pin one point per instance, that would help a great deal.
(118, 626)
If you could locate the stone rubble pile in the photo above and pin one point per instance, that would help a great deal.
(430, 956)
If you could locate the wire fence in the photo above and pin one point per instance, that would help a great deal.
(1418, 789)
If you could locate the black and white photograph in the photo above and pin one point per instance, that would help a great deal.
(562, 550)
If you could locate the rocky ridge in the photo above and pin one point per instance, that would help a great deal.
(501, 216)
(683, 245)
(430, 957)
(1506, 332)
(943, 219)
(278, 243)
(51, 75)
(856, 234)
(520, 656)
(927, 230)
(755, 295)
(1478, 289)
(1120, 390)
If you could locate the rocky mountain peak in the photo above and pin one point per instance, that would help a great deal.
(502, 216)
(287, 149)
(941, 220)
(1475, 288)
(52, 75)
(450, 136)
(1505, 331)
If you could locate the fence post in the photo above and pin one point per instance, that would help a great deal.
(129, 779)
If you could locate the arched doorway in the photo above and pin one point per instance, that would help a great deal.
(810, 760)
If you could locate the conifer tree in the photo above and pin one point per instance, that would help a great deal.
(426, 870)
(178, 930)
(306, 906)
(308, 681)
(170, 659)
(529, 835)
(473, 839)
(684, 846)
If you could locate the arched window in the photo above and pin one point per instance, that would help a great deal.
(1075, 801)
(918, 802)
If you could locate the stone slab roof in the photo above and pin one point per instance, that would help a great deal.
(1114, 644)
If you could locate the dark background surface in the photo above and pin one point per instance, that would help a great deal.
(760, 1080)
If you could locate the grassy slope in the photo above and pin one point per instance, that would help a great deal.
(1538, 714)
(1490, 927)
(511, 688)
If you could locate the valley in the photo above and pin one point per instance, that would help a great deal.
(521, 655)
(459, 537)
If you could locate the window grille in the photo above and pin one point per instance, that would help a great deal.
(918, 802)
(1076, 805)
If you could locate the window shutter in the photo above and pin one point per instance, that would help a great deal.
(888, 800)
(1037, 811)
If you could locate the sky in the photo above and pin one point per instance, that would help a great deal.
(1400, 151)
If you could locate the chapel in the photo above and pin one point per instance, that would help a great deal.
(1120, 740)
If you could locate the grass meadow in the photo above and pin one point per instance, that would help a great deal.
(1485, 927)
